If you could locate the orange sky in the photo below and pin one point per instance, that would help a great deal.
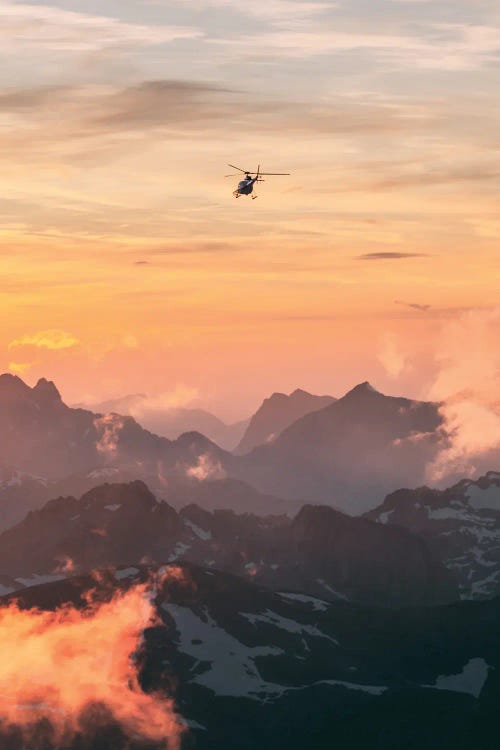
(126, 264)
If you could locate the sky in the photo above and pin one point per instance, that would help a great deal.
(127, 266)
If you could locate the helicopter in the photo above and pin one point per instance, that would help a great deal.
(245, 186)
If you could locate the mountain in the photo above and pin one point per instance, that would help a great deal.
(45, 437)
(255, 669)
(320, 551)
(349, 454)
(170, 422)
(19, 493)
(276, 413)
(461, 525)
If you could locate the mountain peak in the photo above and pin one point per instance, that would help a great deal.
(11, 385)
(300, 393)
(362, 389)
(47, 390)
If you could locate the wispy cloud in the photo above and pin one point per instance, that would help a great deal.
(268, 10)
(390, 256)
(392, 358)
(452, 47)
(18, 368)
(413, 305)
(54, 29)
(50, 339)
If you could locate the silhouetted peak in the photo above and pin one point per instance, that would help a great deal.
(131, 494)
(192, 438)
(46, 390)
(317, 516)
(300, 393)
(11, 385)
(276, 396)
(363, 389)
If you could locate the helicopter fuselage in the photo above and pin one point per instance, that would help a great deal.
(245, 187)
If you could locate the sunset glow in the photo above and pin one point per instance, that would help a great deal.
(127, 265)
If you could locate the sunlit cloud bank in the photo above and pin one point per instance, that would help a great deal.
(50, 339)
(206, 468)
(108, 428)
(70, 665)
(468, 385)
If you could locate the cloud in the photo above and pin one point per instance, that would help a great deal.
(108, 428)
(176, 107)
(49, 28)
(390, 356)
(273, 11)
(390, 256)
(64, 665)
(428, 176)
(467, 384)
(18, 368)
(451, 47)
(53, 339)
(142, 407)
(206, 469)
(413, 305)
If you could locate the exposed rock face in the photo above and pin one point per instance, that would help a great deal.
(461, 525)
(321, 551)
(277, 413)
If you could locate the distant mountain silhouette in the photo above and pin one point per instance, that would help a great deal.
(351, 453)
(43, 436)
(170, 422)
(276, 414)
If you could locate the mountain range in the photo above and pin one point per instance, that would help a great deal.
(171, 422)
(461, 525)
(251, 668)
(349, 454)
(320, 551)
(277, 413)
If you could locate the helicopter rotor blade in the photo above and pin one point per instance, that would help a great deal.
(258, 174)
(238, 168)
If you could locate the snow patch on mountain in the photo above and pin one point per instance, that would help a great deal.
(225, 666)
(200, 533)
(470, 680)
(319, 605)
(292, 626)
(488, 498)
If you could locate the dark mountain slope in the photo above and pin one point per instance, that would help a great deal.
(460, 524)
(349, 453)
(256, 669)
(321, 551)
(276, 414)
